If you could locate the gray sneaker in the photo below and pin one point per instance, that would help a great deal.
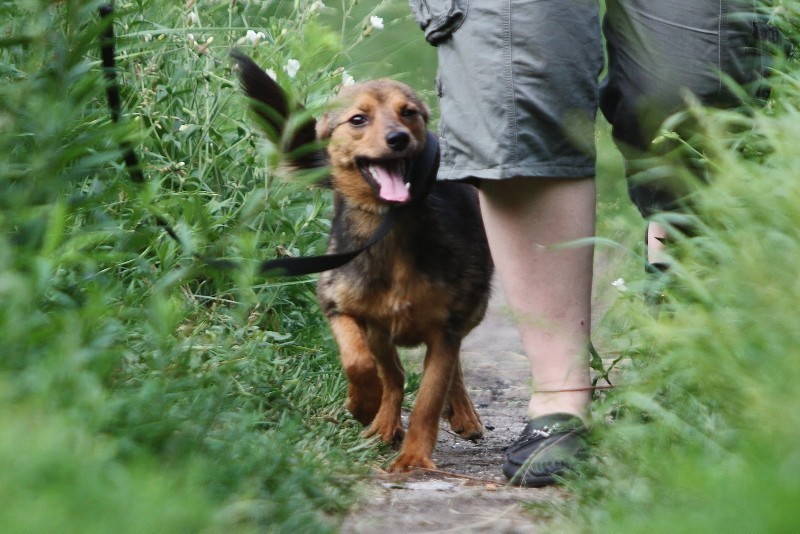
(548, 448)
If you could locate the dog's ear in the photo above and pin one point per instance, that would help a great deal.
(423, 108)
(424, 111)
(335, 111)
(329, 121)
(323, 127)
(288, 126)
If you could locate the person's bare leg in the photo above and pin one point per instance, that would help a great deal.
(548, 288)
(656, 251)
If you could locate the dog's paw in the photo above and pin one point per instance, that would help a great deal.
(364, 405)
(389, 432)
(408, 460)
(464, 420)
(466, 424)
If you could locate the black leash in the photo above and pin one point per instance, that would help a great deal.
(112, 89)
(108, 60)
(296, 266)
(425, 165)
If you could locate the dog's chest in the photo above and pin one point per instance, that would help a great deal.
(399, 299)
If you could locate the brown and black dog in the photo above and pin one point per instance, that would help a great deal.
(427, 281)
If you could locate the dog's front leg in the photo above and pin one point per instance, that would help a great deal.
(423, 427)
(364, 390)
(387, 423)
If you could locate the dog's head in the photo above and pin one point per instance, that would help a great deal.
(375, 130)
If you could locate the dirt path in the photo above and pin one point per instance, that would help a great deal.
(475, 498)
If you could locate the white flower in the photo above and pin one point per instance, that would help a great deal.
(291, 68)
(347, 79)
(272, 74)
(376, 22)
(193, 19)
(316, 6)
(619, 283)
(148, 37)
(253, 37)
(191, 39)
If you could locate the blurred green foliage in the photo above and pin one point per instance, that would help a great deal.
(700, 434)
(141, 390)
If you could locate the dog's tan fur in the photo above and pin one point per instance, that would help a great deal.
(427, 281)
(392, 295)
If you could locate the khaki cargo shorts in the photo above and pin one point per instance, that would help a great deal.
(518, 79)
(518, 85)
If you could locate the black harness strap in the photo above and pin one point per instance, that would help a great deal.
(425, 165)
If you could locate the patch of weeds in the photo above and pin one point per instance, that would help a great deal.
(143, 390)
(700, 432)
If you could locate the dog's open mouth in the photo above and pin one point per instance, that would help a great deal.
(389, 177)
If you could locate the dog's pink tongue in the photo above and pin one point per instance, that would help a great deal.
(393, 189)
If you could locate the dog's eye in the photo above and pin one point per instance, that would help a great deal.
(358, 120)
(408, 112)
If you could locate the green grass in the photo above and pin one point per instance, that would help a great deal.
(143, 391)
(701, 433)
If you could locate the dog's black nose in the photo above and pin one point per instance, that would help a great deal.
(397, 141)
